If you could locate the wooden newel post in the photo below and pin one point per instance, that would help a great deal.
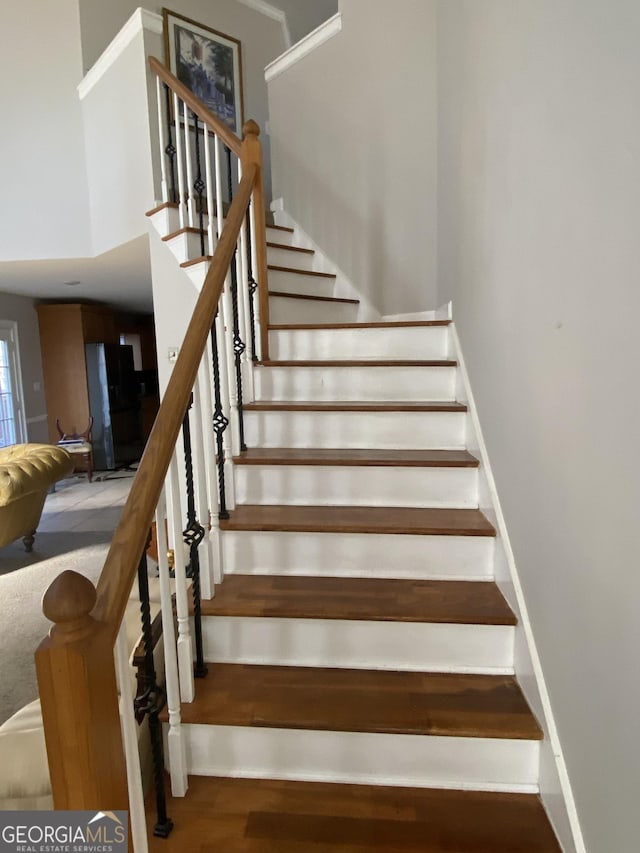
(252, 153)
(79, 697)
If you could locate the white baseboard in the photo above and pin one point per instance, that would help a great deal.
(555, 785)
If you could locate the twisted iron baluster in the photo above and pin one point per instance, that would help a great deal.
(253, 286)
(238, 348)
(227, 151)
(220, 422)
(170, 149)
(151, 701)
(193, 536)
(199, 185)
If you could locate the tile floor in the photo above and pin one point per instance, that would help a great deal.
(78, 505)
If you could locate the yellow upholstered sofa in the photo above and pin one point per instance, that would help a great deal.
(27, 471)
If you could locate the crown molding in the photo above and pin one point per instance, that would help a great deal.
(271, 12)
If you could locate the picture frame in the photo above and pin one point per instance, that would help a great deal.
(208, 63)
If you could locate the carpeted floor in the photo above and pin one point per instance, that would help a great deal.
(74, 533)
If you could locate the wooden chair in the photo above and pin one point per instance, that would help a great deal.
(79, 445)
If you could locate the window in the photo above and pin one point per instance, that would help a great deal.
(12, 428)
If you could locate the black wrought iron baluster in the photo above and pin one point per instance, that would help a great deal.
(227, 151)
(253, 286)
(193, 536)
(170, 149)
(238, 348)
(220, 422)
(152, 700)
(199, 185)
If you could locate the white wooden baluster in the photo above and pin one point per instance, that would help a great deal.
(205, 381)
(185, 648)
(130, 741)
(162, 143)
(201, 494)
(254, 267)
(211, 241)
(175, 740)
(218, 176)
(182, 207)
(191, 201)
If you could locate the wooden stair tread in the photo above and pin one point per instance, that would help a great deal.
(395, 324)
(168, 205)
(273, 816)
(284, 246)
(370, 599)
(194, 261)
(391, 406)
(362, 700)
(296, 271)
(371, 362)
(359, 519)
(283, 294)
(371, 458)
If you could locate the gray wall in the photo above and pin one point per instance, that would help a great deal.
(21, 310)
(539, 133)
(353, 134)
(305, 15)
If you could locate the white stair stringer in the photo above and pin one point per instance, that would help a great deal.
(367, 342)
(360, 644)
(340, 485)
(359, 382)
(488, 764)
(384, 555)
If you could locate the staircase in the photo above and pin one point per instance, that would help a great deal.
(360, 692)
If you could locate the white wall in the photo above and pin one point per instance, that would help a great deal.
(539, 133)
(353, 131)
(118, 148)
(21, 310)
(42, 168)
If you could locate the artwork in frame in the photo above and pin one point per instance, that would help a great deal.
(209, 63)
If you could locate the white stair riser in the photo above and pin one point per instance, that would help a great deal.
(325, 485)
(424, 342)
(283, 310)
(305, 285)
(356, 383)
(359, 644)
(286, 258)
(359, 757)
(388, 430)
(372, 555)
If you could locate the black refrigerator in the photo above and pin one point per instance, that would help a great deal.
(114, 405)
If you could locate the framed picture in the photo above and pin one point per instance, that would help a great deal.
(209, 63)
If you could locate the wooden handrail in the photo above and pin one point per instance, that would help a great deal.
(210, 119)
(130, 536)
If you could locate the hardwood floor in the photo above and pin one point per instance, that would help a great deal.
(359, 519)
(267, 816)
(354, 457)
(379, 599)
(361, 700)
